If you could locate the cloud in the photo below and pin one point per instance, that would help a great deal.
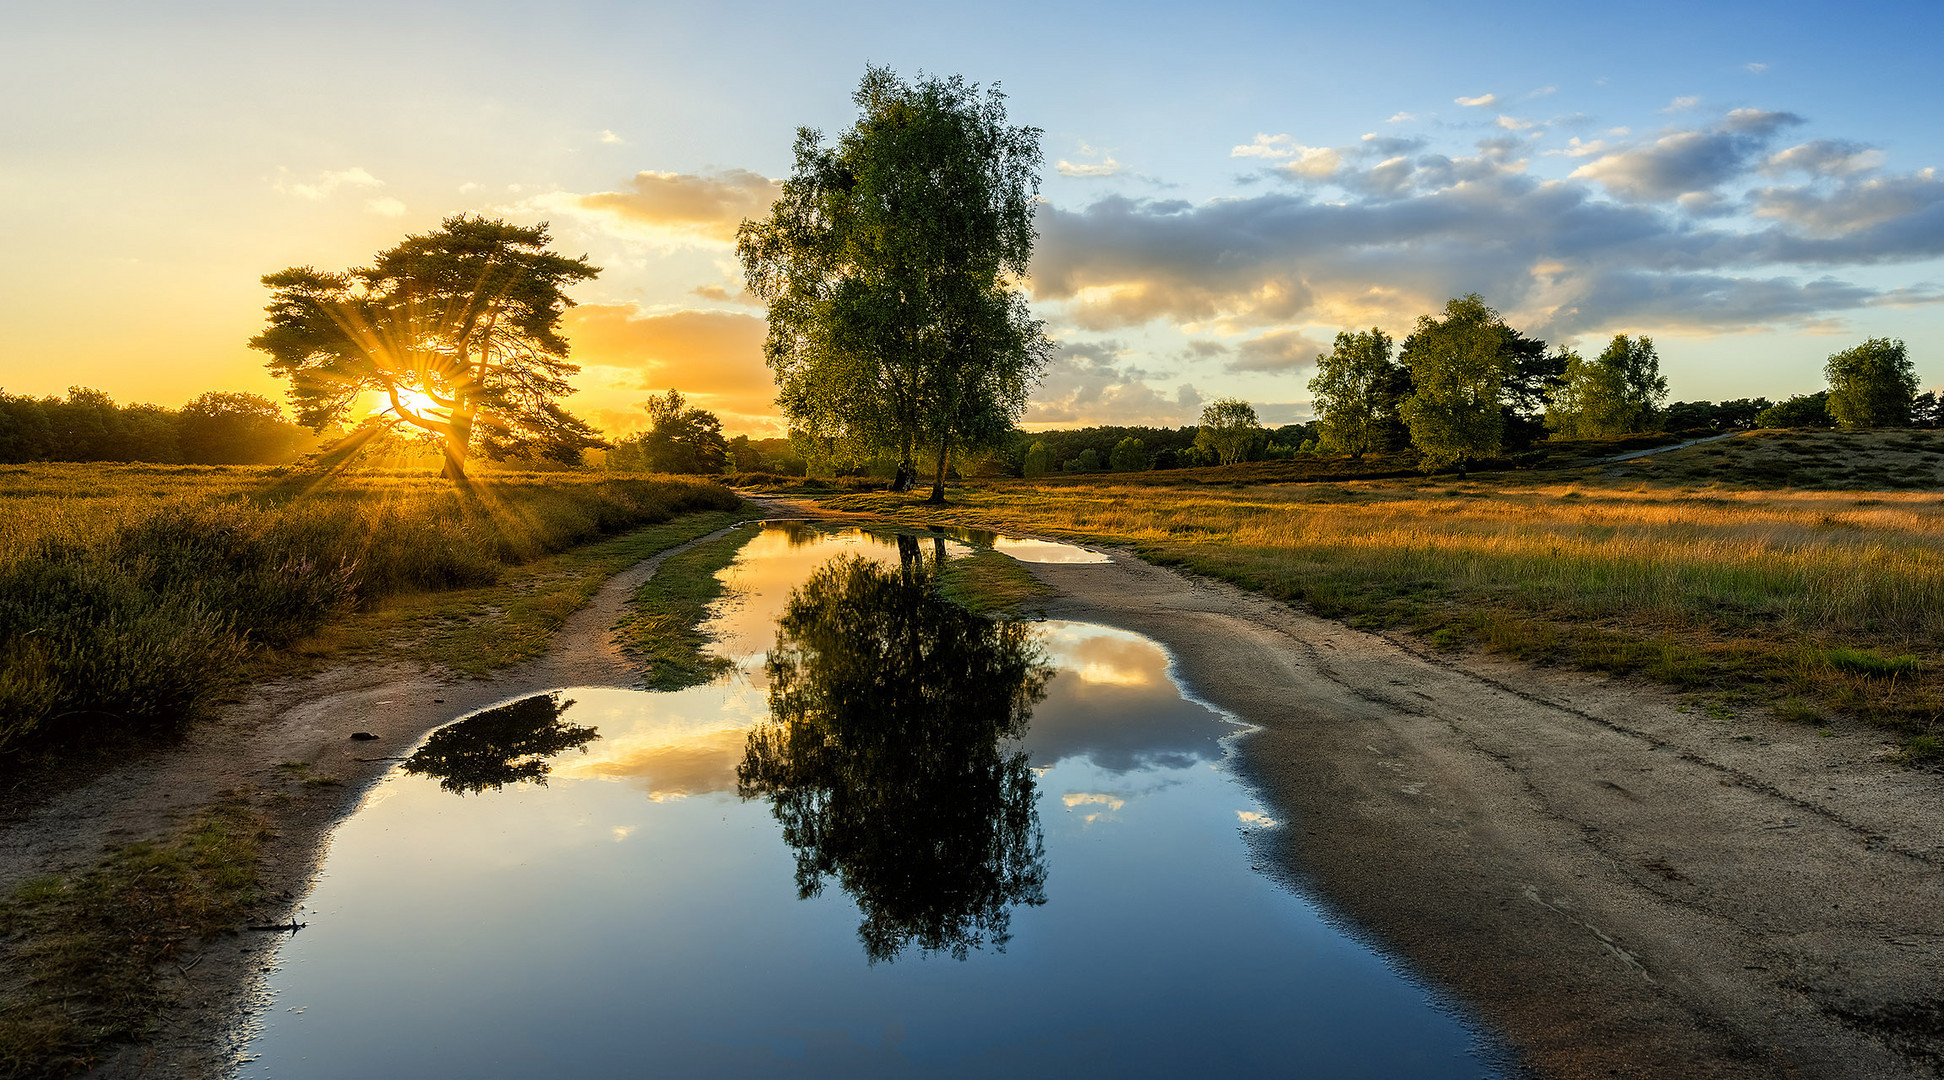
(722, 295)
(1482, 101)
(1277, 350)
(386, 205)
(1824, 157)
(1513, 123)
(1754, 68)
(608, 137)
(1274, 147)
(1104, 167)
(1092, 382)
(713, 357)
(1682, 104)
(328, 182)
(676, 207)
(1544, 91)
(1688, 161)
(1398, 236)
(1400, 117)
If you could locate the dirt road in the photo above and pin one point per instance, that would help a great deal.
(1625, 887)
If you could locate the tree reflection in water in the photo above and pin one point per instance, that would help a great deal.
(500, 746)
(882, 756)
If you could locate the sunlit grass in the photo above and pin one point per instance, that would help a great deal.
(130, 594)
(1751, 592)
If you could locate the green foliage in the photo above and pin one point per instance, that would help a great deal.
(1800, 411)
(1459, 366)
(458, 327)
(1355, 393)
(1872, 385)
(888, 265)
(1088, 461)
(1037, 462)
(681, 439)
(1228, 427)
(1130, 455)
(1863, 662)
(1617, 393)
(1738, 415)
(214, 429)
(237, 429)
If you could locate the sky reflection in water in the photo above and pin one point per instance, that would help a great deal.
(636, 916)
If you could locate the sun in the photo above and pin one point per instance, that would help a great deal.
(378, 403)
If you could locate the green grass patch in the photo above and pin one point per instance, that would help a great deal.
(664, 624)
(1863, 662)
(84, 958)
(986, 582)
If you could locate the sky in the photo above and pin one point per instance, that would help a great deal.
(1225, 188)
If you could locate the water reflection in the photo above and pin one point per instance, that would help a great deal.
(503, 745)
(883, 761)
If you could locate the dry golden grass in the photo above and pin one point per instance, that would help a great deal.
(1719, 586)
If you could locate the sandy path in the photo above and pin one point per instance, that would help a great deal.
(1626, 889)
(301, 720)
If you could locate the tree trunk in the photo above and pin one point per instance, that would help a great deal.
(458, 442)
(938, 485)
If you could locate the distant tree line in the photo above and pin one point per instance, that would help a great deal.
(215, 429)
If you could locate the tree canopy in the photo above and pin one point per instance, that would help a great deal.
(681, 439)
(1228, 426)
(458, 329)
(1459, 367)
(1872, 385)
(1353, 392)
(1618, 392)
(889, 265)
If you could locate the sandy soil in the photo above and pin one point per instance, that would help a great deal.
(1623, 888)
(305, 720)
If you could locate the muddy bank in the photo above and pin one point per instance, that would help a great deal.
(1626, 888)
(306, 721)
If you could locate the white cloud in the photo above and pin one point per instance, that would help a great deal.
(1105, 167)
(1544, 91)
(1682, 104)
(1513, 123)
(1754, 68)
(328, 182)
(1400, 117)
(386, 205)
(1482, 101)
(1824, 157)
(1274, 147)
(608, 137)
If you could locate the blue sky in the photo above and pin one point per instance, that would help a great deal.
(1225, 187)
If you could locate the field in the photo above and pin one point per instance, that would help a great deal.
(1800, 571)
(132, 596)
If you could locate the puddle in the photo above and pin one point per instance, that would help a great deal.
(897, 841)
(1025, 549)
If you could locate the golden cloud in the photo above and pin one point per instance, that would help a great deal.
(714, 358)
(707, 207)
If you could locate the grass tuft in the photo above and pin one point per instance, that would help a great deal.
(663, 626)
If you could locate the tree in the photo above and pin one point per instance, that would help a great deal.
(1801, 410)
(507, 744)
(680, 439)
(888, 265)
(458, 329)
(1228, 426)
(1459, 365)
(890, 757)
(1351, 392)
(1872, 385)
(1129, 455)
(236, 429)
(1037, 461)
(1618, 392)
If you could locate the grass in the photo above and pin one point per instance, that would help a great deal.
(131, 596)
(87, 957)
(663, 625)
(1732, 588)
(986, 582)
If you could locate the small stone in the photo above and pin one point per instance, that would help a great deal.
(362, 736)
